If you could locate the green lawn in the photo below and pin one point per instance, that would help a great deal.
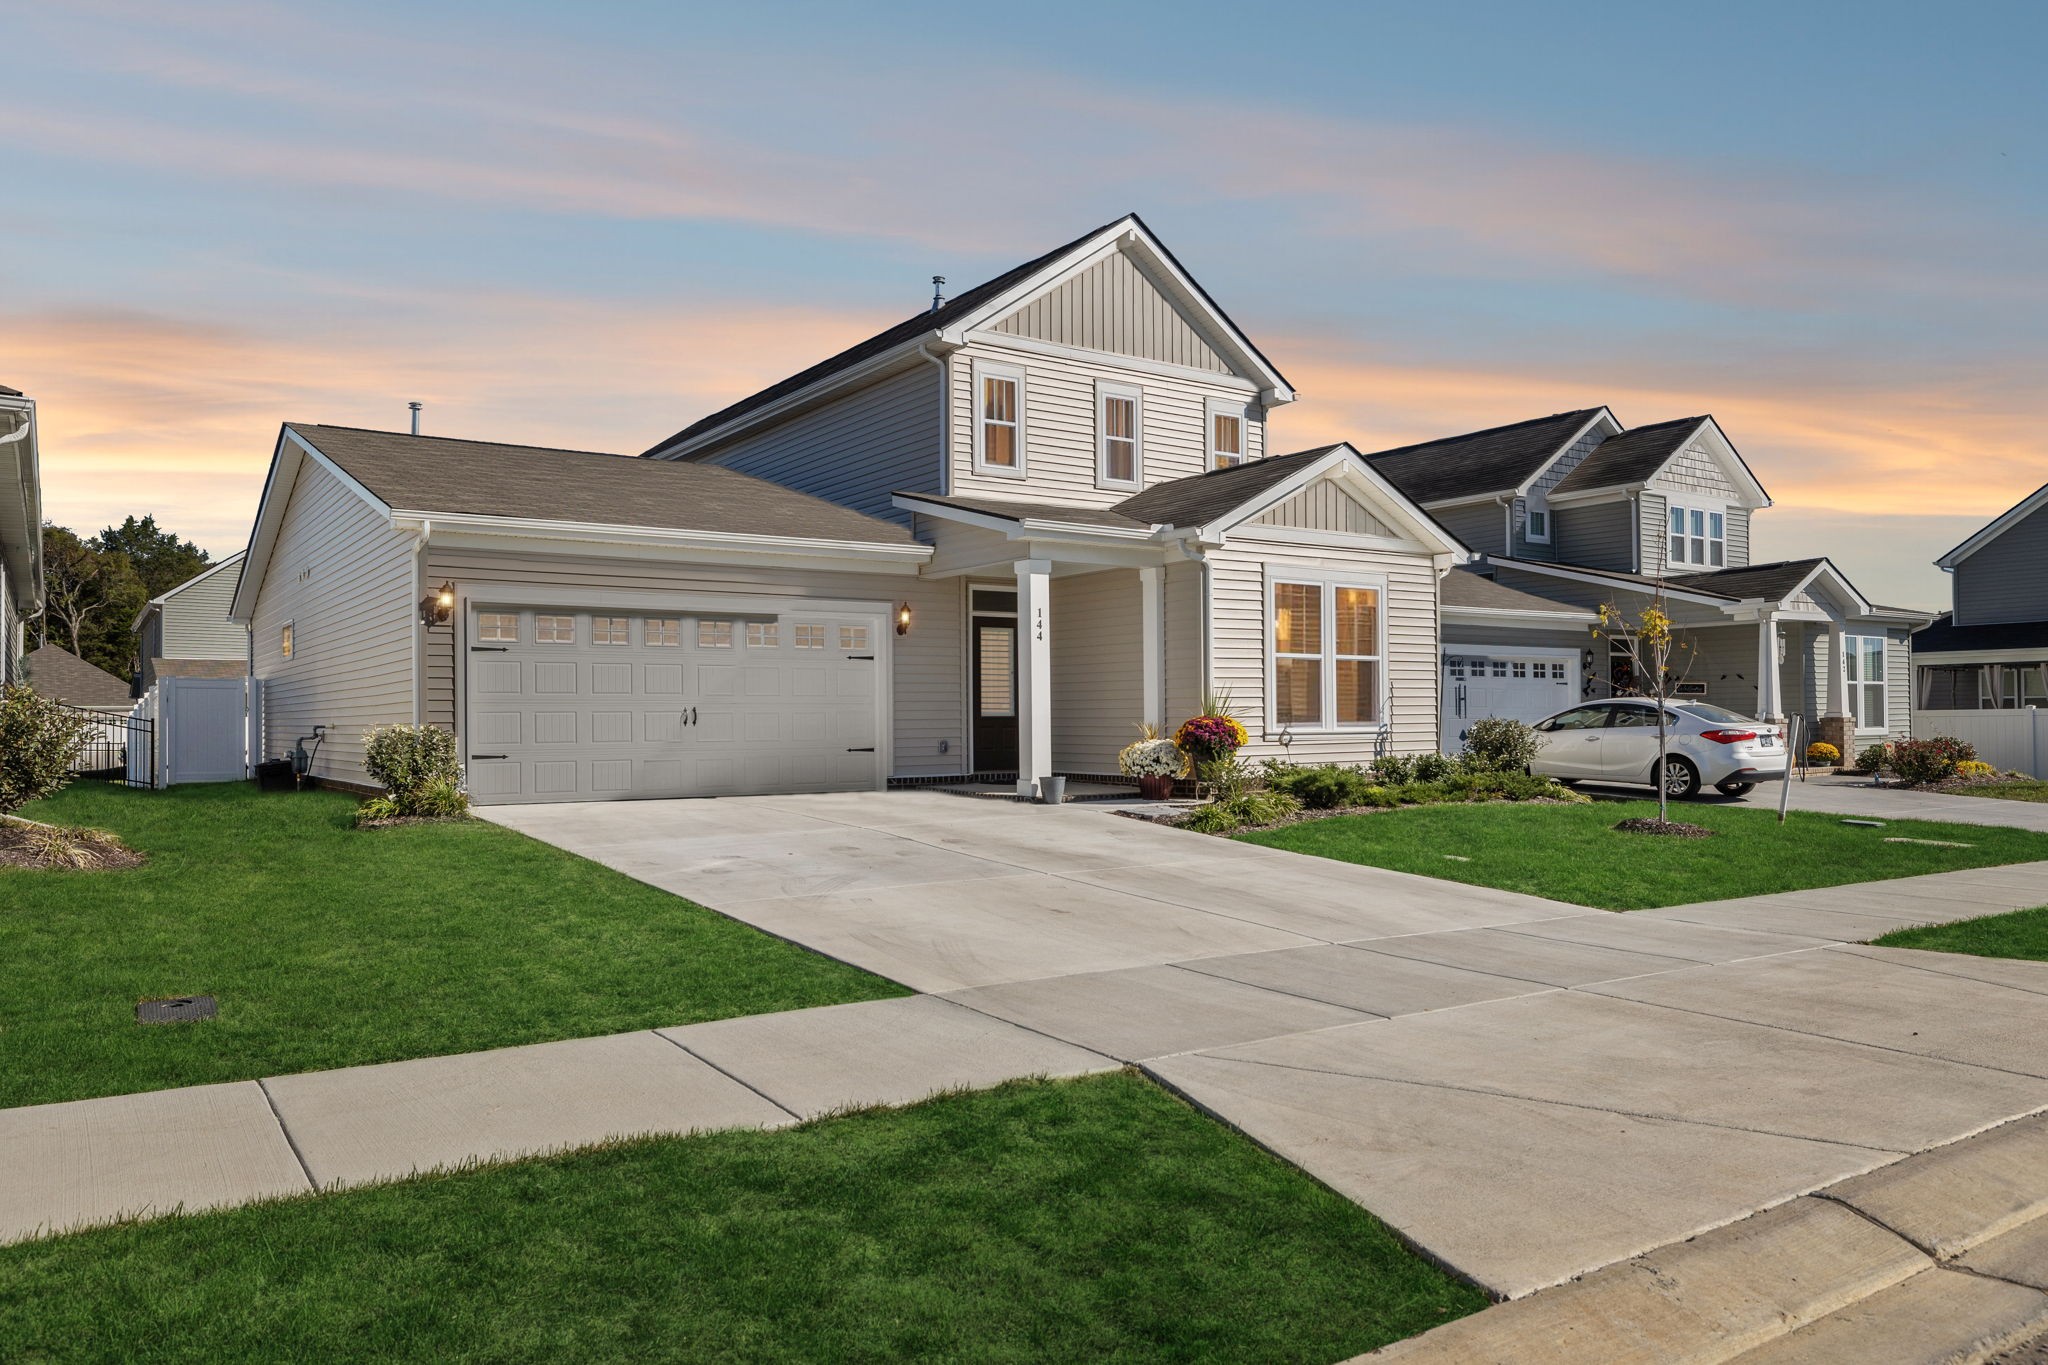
(1098, 1219)
(2004, 791)
(1572, 853)
(328, 946)
(2021, 933)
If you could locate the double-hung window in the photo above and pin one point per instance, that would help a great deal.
(1537, 527)
(998, 419)
(1326, 654)
(1863, 662)
(1226, 433)
(1699, 537)
(1119, 442)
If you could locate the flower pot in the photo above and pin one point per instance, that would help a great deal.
(1156, 788)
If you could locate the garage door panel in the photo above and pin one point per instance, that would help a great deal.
(493, 728)
(497, 678)
(717, 680)
(613, 680)
(663, 680)
(808, 682)
(761, 727)
(611, 775)
(495, 778)
(611, 727)
(554, 727)
(554, 677)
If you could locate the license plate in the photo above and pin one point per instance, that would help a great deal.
(1767, 741)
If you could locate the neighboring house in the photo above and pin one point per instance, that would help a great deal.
(21, 530)
(1990, 652)
(55, 672)
(186, 632)
(990, 540)
(1573, 511)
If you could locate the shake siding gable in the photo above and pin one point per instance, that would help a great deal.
(857, 449)
(1113, 306)
(1694, 471)
(2006, 580)
(1526, 548)
(344, 579)
(1097, 663)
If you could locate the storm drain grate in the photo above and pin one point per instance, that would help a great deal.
(178, 1009)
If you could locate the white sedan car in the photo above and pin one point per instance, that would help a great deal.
(1616, 741)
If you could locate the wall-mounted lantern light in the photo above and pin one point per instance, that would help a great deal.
(438, 607)
(903, 618)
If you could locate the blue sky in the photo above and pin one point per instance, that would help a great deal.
(587, 225)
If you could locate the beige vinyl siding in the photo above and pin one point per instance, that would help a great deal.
(344, 579)
(1097, 669)
(1898, 677)
(1323, 506)
(1598, 535)
(1482, 526)
(196, 624)
(1114, 306)
(2006, 580)
(1059, 426)
(1239, 616)
(857, 449)
(928, 689)
(11, 641)
(1184, 652)
(1738, 537)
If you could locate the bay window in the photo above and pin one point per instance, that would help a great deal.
(1326, 654)
(1863, 660)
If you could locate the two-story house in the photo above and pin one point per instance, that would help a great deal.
(185, 632)
(1990, 652)
(21, 531)
(1570, 512)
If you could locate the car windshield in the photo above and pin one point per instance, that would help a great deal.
(1719, 715)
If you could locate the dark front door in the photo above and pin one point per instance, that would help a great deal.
(995, 694)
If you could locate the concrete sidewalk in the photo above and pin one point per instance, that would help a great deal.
(1832, 794)
(91, 1161)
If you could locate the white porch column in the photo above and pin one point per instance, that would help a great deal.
(1767, 702)
(1034, 674)
(1151, 670)
(1837, 698)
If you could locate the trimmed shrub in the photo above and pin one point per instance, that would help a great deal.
(39, 740)
(417, 765)
(1434, 767)
(1874, 758)
(1497, 744)
(1394, 769)
(1823, 753)
(1325, 786)
(1929, 760)
(1252, 808)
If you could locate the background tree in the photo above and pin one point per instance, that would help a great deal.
(161, 560)
(1651, 649)
(91, 597)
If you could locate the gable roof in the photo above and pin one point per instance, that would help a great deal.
(55, 672)
(1944, 636)
(1633, 456)
(1496, 460)
(156, 603)
(1051, 513)
(1776, 581)
(964, 310)
(1996, 527)
(1201, 498)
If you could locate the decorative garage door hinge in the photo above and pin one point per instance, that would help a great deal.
(870, 749)
(487, 649)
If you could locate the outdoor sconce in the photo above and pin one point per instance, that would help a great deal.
(903, 618)
(438, 607)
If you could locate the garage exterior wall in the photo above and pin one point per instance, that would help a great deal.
(1480, 635)
(343, 578)
(1097, 669)
(927, 665)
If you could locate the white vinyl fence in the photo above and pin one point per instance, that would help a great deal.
(2016, 740)
(202, 729)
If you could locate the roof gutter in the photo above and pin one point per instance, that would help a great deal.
(25, 559)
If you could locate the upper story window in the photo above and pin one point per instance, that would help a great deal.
(998, 419)
(1118, 443)
(497, 625)
(1699, 537)
(1226, 434)
(284, 641)
(1538, 525)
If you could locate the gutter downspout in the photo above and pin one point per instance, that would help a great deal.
(1635, 544)
(945, 416)
(419, 676)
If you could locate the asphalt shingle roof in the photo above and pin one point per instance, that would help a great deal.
(1201, 498)
(1633, 456)
(484, 478)
(1479, 462)
(55, 672)
(1945, 636)
(1768, 581)
(1037, 511)
(1466, 587)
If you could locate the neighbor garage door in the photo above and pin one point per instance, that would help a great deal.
(594, 705)
(1515, 685)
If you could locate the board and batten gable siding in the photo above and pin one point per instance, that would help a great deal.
(196, 624)
(1114, 306)
(1097, 669)
(1239, 613)
(1599, 535)
(927, 665)
(855, 450)
(1324, 506)
(1482, 526)
(2006, 580)
(1059, 424)
(343, 577)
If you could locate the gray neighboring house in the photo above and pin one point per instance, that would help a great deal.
(1990, 651)
(187, 633)
(55, 672)
(1573, 510)
(21, 530)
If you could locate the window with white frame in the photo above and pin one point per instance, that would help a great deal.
(763, 634)
(1863, 662)
(554, 630)
(714, 635)
(1326, 654)
(1118, 417)
(497, 625)
(1537, 525)
(1699, 537)
(810, 637)
(284, 641)
(1226, 434)
(853, 637)
(998, 419)
(611, 630)
(664, 632)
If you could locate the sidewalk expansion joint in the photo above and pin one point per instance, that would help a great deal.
(737, 1080)
(285, 1130)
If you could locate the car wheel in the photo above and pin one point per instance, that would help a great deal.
(1735, 788)
(1680, 779)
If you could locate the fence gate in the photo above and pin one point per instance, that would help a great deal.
(203, 729)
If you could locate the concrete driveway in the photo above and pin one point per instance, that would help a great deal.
(1527, 1089)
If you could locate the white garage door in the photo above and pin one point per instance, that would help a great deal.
(1517, 686)
(568, 705)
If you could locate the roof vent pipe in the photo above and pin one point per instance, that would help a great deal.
(938, 292)
(415, 417)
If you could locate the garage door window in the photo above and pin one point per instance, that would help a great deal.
(664, 631)
(498, 625)
(853, 637)
(810, 637)
(610, 630)
(555, 630)
(714, 635)
(763, 634)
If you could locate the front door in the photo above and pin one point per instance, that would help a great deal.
(995, 694)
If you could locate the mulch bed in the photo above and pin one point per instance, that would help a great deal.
(1670, 829)
(411, 820)
(1307, 813)
(50, 848)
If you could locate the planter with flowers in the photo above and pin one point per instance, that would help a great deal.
(1212, 738)
(1155, 761)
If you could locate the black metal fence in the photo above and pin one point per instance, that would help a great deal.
(118, 748)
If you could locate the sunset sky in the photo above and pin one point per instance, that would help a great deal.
(586, 225)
